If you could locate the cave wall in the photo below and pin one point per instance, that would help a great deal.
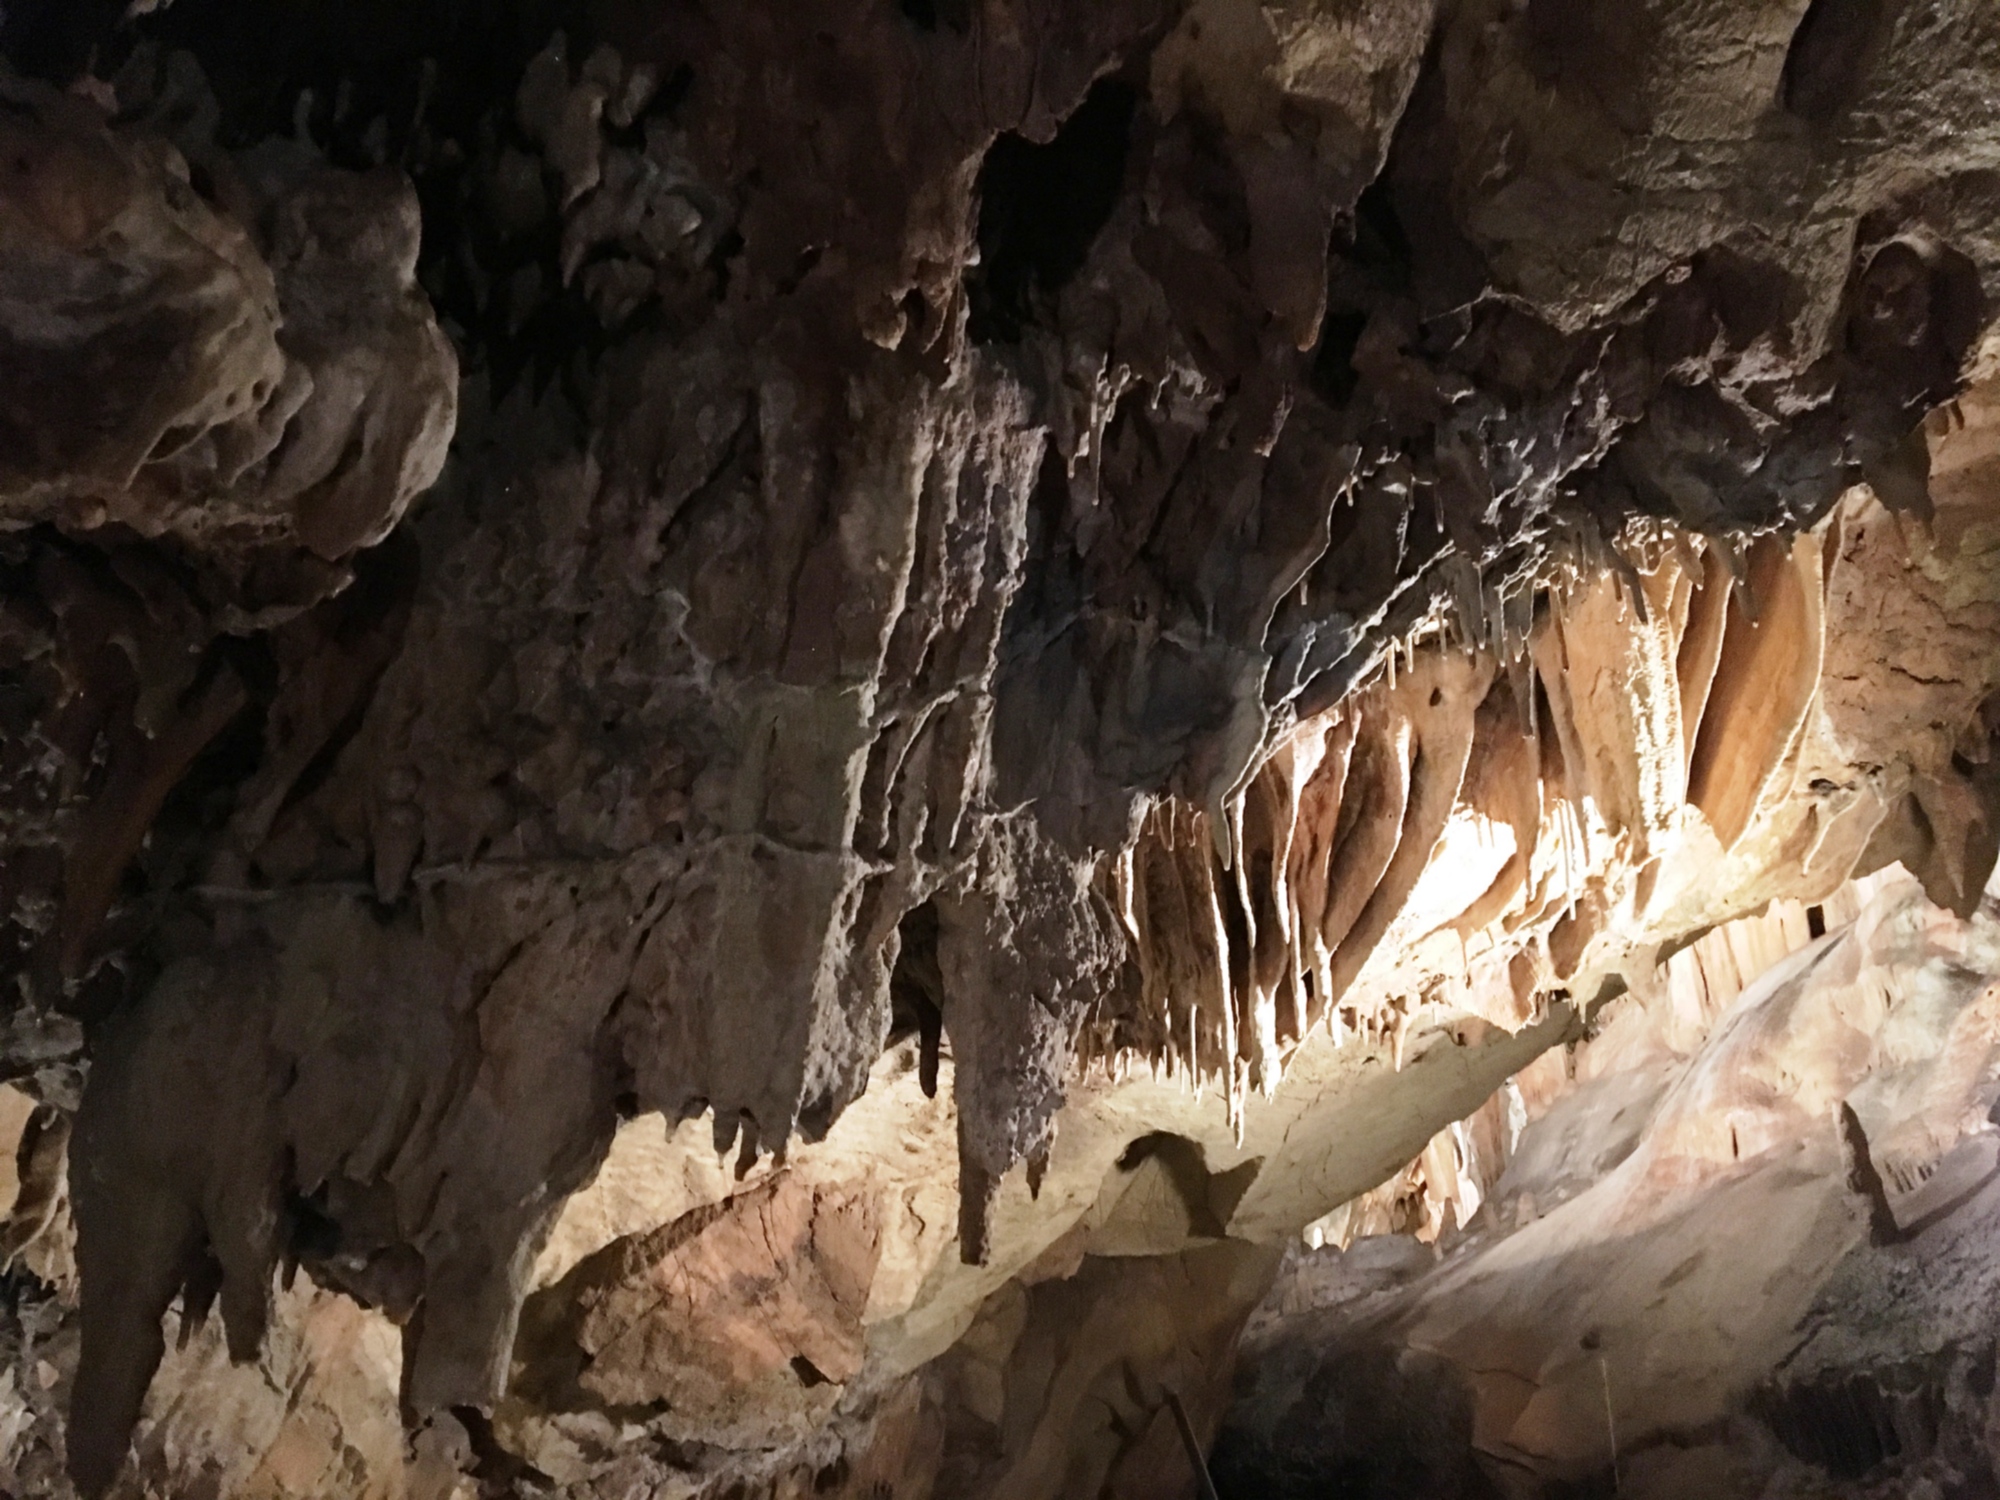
(1224, 570)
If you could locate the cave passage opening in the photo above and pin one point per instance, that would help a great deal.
(1041, 206)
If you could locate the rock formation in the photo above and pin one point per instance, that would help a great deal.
(748, 745)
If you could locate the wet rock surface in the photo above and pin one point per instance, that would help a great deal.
(1066, 630)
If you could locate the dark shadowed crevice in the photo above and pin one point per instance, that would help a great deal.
(501, 1471)
(1851, 1424)
(1371, 261)
(1041, 206)
(56, 39)
(1235, 926)
(1375, 1424)
(1333, 374)
(916, 993)
(429, 68)
(1381, 245)
(926, 15)
(1829, 55)
(1594, 49)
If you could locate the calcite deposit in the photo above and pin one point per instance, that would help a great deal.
(805, 748)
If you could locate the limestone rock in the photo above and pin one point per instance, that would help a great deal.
(1210, 580)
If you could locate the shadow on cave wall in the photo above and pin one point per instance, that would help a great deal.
(1371, 1423)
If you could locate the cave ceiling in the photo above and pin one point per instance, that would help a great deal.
(984, 579)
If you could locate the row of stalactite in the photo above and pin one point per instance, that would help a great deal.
(1484, 808)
